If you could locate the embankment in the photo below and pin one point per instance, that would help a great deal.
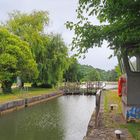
(26, 102)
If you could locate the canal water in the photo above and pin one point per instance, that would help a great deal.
(63, 118)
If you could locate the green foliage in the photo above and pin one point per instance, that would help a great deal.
(133, 129)
(112, 75)
(85, 70)
(120, 24)
(93, 76)
(88, 73)
(73, 73)
(57, 59)
(30, 28)
(7, 67)
(102, 75)
(22, 23)
(15, 59)
(118, 71)
(49, 51)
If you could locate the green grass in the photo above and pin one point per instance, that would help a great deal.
(134, 129)
(106, 104)
(21, 94)
(111, 97)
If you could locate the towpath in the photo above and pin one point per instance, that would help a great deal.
(108, 122)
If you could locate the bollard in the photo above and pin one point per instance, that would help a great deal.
(26, 102)
(118, 134)
(113, 106)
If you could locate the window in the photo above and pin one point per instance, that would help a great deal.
(134, 63)
(122, 66)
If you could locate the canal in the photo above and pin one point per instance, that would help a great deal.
(63, 118)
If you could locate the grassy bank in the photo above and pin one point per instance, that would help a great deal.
(24, 93)
(111, 97)
(134, 129)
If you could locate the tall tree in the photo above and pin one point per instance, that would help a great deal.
(49, 51)
(72, 74)
(112, 75)
(30, 28)
(120, 24)
(93, 76)
(58, 61)
(15, 60)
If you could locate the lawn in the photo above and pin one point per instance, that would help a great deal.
(24, 93)
(134, 129)
(111, 97)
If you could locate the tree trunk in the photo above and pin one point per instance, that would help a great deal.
(34, 84)
(6, 87)
(22, 84)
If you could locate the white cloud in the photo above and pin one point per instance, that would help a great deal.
(98, 58)
(60, 11)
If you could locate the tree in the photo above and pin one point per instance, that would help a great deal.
(112, 75)
(30, 28)
(49, 51)
(93, 75)
(85, 70)
(89, 73)
(72, 74)
(120, 24)
(15, 60)
(57, 59)
(103, 74)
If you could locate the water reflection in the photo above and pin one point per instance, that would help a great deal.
(64, 118)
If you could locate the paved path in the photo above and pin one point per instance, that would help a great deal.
(107, 124)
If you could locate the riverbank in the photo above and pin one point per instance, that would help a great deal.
(24, 93)
(18, 101)
(109, 120)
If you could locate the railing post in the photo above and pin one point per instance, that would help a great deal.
(98, 98)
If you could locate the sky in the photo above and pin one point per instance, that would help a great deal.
(61, 11)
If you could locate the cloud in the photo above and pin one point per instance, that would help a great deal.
(60, 11)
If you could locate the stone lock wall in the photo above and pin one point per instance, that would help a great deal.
(21, 103)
